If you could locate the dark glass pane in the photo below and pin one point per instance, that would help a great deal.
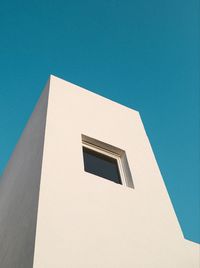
(101, 165)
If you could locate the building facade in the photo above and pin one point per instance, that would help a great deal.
(83, 189)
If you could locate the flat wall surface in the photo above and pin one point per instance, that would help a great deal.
(19, 191)
(87, 221)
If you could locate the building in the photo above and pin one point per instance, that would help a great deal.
(83, 189)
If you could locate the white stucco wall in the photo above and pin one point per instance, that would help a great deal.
(87, 221)
(19, 191)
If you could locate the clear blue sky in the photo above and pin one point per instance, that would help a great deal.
(143, 54)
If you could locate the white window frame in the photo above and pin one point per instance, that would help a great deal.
(111, 154)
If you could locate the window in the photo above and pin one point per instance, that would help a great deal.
(101, 165)
(106, 161)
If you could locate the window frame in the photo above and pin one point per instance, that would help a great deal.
(110, 154)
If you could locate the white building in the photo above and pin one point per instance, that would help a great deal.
(102, 200)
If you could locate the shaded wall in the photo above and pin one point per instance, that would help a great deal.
(19, 191)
